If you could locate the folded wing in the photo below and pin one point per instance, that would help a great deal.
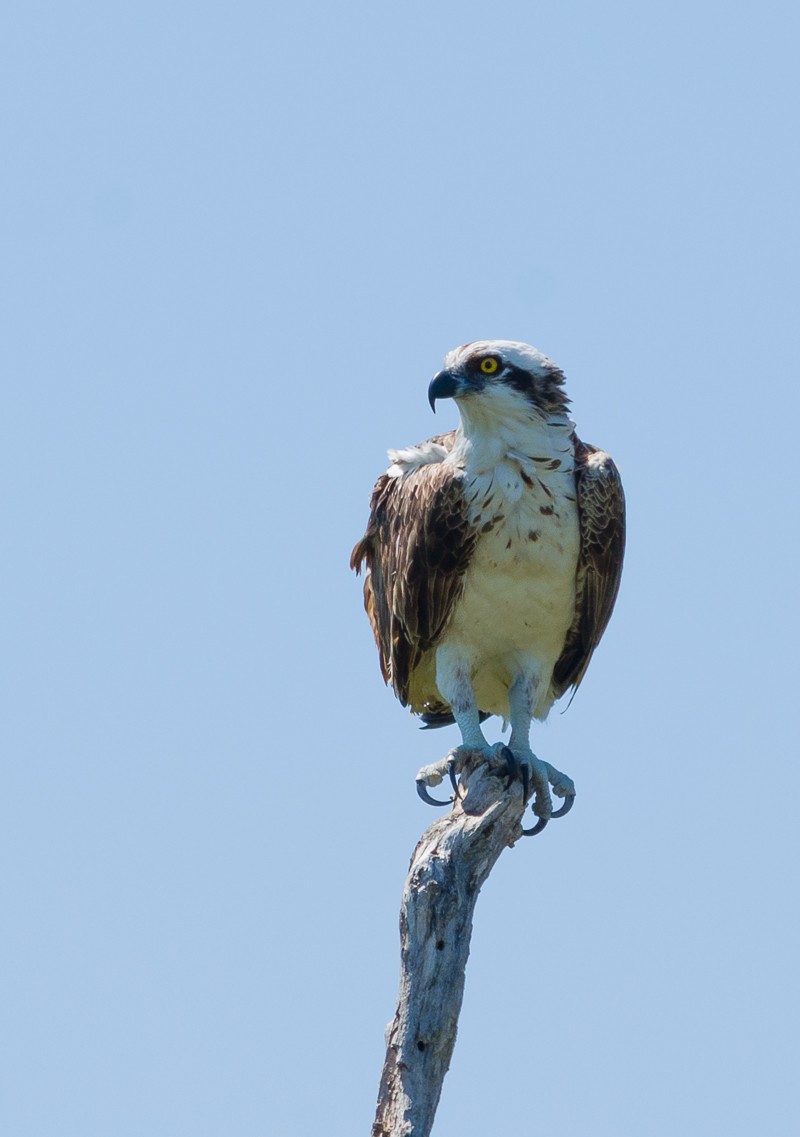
(601, 508)
(417, 547)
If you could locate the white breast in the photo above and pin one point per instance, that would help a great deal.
(519, 591)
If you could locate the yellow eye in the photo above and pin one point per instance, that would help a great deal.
(489, 365)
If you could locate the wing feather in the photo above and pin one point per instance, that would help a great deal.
(601, 509)
(417, 547)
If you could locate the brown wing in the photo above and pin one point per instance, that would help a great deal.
(417, 547)
(601, 508)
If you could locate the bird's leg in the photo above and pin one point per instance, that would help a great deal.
(454, 680)
(522, 700)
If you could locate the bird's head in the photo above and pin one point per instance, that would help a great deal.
(500, 376)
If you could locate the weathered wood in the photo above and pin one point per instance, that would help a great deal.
(450, 863)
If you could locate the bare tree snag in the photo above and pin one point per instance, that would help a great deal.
(452, 860)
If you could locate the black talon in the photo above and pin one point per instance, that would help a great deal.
(512, 765)
(540, 824)
(526, 783)
(565, 808)
(451, 769)
(537, 828)
(422, 790)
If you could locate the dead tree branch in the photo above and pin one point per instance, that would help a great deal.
(450, 863)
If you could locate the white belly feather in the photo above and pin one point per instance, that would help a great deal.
(519, 590)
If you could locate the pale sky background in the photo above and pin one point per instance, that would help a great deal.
(238, 241)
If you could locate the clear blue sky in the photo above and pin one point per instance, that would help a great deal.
(237, 243)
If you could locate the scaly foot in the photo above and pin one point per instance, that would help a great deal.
(497, 756)
(541, 775)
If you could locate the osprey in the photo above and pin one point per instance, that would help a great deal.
(493, 555)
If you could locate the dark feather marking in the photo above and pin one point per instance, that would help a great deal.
(417, 547)
(601, 512)
(544, 391)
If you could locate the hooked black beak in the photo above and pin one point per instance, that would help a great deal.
(444, 385)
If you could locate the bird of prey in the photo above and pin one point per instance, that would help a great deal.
(493, 556)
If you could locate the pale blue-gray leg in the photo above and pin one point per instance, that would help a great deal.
(454, 681)
(522, 700)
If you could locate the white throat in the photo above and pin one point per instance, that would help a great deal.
(500, 424)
